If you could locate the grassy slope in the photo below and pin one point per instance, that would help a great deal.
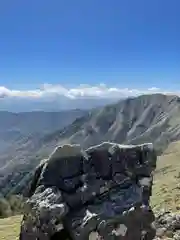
(166, 190)
(9, 228)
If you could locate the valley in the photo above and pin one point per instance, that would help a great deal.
(148, 118)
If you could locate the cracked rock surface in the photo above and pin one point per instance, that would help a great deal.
(167, 225)
(102, 192)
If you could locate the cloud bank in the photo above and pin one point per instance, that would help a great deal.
(80, 92)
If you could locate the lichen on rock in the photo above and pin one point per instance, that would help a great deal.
(102, 192)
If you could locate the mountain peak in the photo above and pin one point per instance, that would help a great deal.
(148, 118)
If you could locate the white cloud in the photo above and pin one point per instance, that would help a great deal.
(81, 91)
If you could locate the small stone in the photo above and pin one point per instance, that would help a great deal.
(169, 234)
(93, 236)
(160, 232)
(120, 230)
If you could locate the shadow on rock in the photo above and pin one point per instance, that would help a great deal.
(100, 193)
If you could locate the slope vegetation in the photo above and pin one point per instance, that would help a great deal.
(9, 228)
(16, 126)
(148, 118)
(166, 189)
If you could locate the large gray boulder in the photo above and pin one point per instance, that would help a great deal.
(100, 193)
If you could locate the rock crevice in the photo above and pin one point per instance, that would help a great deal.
(102, 192)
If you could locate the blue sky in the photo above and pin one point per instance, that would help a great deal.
(123, 43)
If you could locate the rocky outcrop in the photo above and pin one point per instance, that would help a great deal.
(167, 225)
(100, 193)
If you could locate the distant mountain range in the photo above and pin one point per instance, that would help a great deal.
(16, 128)
(15, 104)
(147, 118)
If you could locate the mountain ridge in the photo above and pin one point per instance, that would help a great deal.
(133, 120)
(147, 118)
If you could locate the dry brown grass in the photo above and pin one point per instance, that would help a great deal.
(166, 189)
(9, 228)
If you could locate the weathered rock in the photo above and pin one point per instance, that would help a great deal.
(100, 193)
(167, 225)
